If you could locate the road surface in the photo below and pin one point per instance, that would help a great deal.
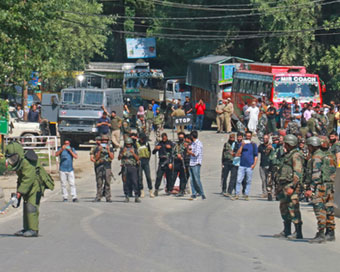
(165, 233)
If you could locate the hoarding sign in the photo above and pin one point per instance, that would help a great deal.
(140, 48)
(226, 74)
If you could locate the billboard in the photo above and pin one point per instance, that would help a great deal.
(226, 73)
(140, 48)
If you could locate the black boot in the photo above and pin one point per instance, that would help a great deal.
(286, 231)
(330, 235)
(298, 232)
(319, 238)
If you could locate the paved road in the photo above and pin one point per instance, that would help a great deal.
(163, 234)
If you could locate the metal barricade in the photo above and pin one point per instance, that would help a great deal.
(41, 145)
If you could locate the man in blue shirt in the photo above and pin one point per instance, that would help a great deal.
(33, 115)
(66, 173)
(154, 106)
(248, 158)
(103, 124)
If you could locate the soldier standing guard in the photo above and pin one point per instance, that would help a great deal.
(103, 155)
(126, 129)
(179, 151)
(262, 125)
(149, 116)
(158, 122)
(141, 125)
(320, 180)
(290, 177)
(130, 160)
(228, 111)
(227, 162)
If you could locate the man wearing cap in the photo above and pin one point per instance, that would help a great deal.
(228, 112)
(219, 116)
(179, 112)
(103, 155)
(158, 123)
(149, 116)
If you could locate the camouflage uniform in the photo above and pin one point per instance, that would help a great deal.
(227, 164)
(290, 175)
(149, 117)
(262, 127)
(313, 125)
(103, 173)
(126, 129)
(158, 122)
(141, 126)
(179, 165)
(240, 127)
(275, 158)
(323, 124)
(321, 170)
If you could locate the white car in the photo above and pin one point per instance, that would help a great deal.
(19, 128)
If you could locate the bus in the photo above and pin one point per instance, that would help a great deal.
(275, 83)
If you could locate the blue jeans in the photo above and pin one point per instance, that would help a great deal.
(199, 121)
(189, 127)
(244, 171)
(195, 177)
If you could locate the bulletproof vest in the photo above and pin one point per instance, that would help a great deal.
(158, 120)
(128, 158)
(179, 149)
(143, 151)
(286, 171)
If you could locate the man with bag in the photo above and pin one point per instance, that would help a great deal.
(32, 182)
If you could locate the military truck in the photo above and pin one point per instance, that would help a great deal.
(78, 110)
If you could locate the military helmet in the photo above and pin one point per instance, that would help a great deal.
(14, 154)
(128, 140)
(290, 139)
(324, 141)
(314, 141)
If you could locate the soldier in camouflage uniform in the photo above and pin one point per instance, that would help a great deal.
(158, 123)
(130, 160)
(178, 153)
(323, 122)
(240, 126)
(103, 155)
(227, 162)
(321, 170)
(335, 146)
(290, 178)
(275, 156)
(149, 116)
(293, 127)
(313, 125)
(262, 125)
(141, 125)
(126, 129)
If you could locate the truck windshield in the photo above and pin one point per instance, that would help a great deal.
(93, 98)
(71, 97)
(308, 88)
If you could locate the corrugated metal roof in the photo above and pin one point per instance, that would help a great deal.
(216, 59)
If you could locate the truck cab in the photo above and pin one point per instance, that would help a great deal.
(79, 110)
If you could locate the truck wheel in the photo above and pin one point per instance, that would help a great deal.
(29, 139)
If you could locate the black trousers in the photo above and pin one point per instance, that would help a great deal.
(145, 167)
(180, 170)
(227, 167)
(131, 181)
(168, 173)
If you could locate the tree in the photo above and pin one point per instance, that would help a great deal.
(52, 37)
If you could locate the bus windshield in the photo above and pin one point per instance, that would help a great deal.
(93, 98)
(297, 87)
(71, 97)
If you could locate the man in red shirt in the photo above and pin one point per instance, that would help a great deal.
(200, 109)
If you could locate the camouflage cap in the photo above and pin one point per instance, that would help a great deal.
(324, 141)
(128, 140)
(290, 139)
(314, 141)
(105, 137)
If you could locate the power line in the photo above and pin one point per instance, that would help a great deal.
(198, 18)
(202, 7)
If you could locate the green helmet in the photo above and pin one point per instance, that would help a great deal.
(14, 154)
(314, 141)
(290, 139)
(128, 140)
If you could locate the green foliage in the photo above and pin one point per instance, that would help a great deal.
(3, 109)
(49, 36)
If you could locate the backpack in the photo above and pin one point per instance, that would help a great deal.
(45, 179)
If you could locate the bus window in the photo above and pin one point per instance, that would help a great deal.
(241, 86)
(236, 85)
(267, 89)
(254, 88)
(260, 88)
(247, 86)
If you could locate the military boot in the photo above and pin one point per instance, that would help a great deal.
(142, 193)
(151, 194)
(297, 234)
(137, 200)
(319, 238)
(126, 200)
(286, 231)
(30, 233)
(270, 197)
(330, 235)
(156, 192)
